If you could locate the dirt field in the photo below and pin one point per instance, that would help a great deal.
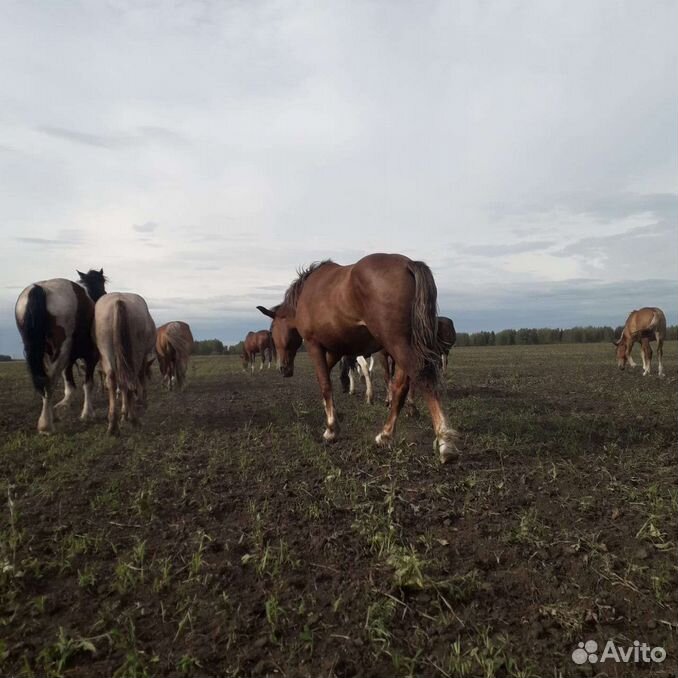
(223, 538)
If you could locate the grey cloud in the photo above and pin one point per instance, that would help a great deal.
(500, 250)
(141, 135)
(629, 241)
(64, 238)
(146, 227)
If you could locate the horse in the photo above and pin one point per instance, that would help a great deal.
(173, 346)
(645, 325)
(447, 336)
(125, 334)
(257, 342)
(383, 301)
(350, 366)
(54, 318)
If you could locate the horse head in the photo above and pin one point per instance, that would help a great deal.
(94, 282)
(286, 338)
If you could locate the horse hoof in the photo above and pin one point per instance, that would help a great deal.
(45, 431)
(329, 436)
(382, 439)
(446, 448)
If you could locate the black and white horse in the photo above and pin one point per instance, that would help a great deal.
(54, 318)
(352, 368)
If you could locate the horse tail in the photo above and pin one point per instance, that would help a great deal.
(34, 334)
(425, 323)
(182, 342)
(122, 347)
(659, 322)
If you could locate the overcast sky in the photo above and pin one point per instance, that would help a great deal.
(201, 151)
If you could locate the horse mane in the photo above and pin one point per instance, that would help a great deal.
(294, 290)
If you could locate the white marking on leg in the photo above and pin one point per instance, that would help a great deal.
(69, 391)
(351, 380)
(87, 408)
(364, 368)
(46, 421)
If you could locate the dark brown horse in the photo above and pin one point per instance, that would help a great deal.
(383, 301)
(173, 346)
(447, 336)
(255, 343)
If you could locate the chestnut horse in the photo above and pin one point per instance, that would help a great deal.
(383, 301)
(54, 318)
(125, 334)
(173, 346)
(645, 325)
(257, 342)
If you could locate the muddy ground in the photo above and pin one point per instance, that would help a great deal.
(222, 537)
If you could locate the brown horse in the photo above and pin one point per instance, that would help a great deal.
(447, 336)
(383, 301)
(255, 343)
(173, 346)
(54, 318)
(125, 335)
(644, 325)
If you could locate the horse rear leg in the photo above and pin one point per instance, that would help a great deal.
(112, 387)
(646, 352)
(443, 358)
(660, 354)
(445, 436)
(46, 420)
(399, 387)
(69, 388)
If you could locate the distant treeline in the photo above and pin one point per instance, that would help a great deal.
(5, 358)
(521, 337)
(547, 335)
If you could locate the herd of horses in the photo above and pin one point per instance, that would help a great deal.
(383, 305)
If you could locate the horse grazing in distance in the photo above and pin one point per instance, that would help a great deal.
(351, 367)
(173, 346)
(54, 318)
(383, 301)
(645, 325)
(447, 336)
(255, 343)
(125, 334)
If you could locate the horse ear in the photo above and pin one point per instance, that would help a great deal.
(266, 311)
(101, 271)
(81, 274)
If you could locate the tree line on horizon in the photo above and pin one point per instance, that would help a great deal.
(521, 337)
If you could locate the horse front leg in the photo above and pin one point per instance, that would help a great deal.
(630, 360)
(323, 363)
(88, 387)
(364, 368)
